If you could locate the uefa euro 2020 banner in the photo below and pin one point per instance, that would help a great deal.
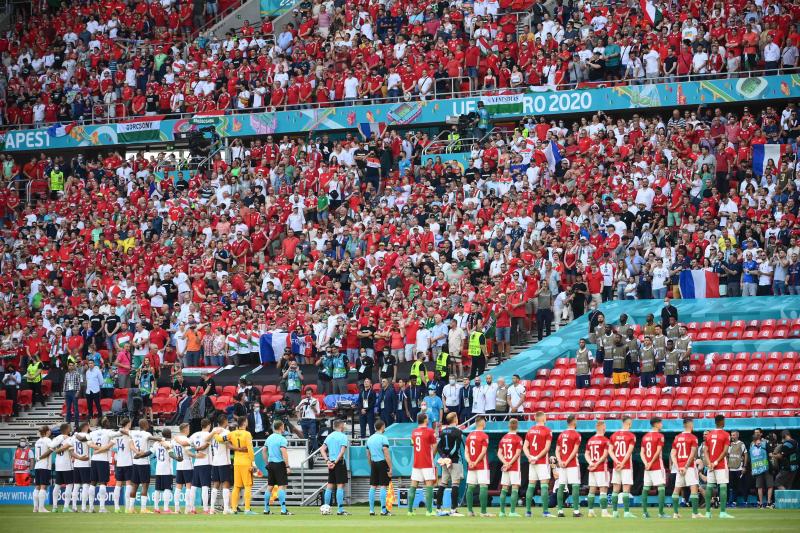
(405, 114)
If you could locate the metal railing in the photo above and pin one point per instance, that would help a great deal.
(637, 414)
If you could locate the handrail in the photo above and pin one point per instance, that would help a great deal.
(472, 93)
(639, 413)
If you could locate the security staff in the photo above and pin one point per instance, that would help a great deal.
(647, 363)
(416, 395)
(402, 408)
(56, 182)
(465, 400)
(583, 357)
(476, 349)
(442, 361)
(387, 402)
(418, 370)
(366, 406)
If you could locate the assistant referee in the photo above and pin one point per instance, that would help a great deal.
(380, 462)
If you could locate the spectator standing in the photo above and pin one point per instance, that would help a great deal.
(33, 377)
(737, 464)
(366, 409)
(760, 456)
(11, 382)
(71, 390)
(788, 457)
(309, 410)
(94, 383)
(667, 312)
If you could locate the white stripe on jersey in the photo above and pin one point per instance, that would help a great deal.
(197, 440)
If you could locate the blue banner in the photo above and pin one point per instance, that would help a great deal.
(402, 458)
(408, 114)
(462, 158)
(12, 495)
(274, 8)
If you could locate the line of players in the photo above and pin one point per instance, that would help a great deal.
(536, 445)
(185, 461)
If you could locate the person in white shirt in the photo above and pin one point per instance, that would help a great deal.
(182, 449)
(62, 445)
(94, 382)
(516, 395)
(42, 451)
(450, 395)
(490, 394)
(652, 63)
(351, 86)
(123, 456)
(660, 276)
(140, 477)
(221, 470)
(82, 473)
(201, 472)
(164, 455)
(101, 440)
(425, 85)
(478, 398)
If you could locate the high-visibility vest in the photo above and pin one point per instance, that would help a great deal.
(32, 368)
(22, 460)
(474, 348)
(416, 370)
(56, 180)
(441, 363)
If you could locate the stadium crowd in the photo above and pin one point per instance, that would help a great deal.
(356, 250)
(115, 59)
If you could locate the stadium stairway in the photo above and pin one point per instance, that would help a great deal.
(27, 422)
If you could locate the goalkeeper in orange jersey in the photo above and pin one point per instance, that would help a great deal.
(241, 442)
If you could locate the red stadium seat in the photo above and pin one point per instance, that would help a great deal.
(765, 332)
(121, 394)
(758, 402)
(679, 403)
(780, 333)
(703, 380)
(786, 366)
(633, 404)
(763, 390)
(791, 401)
(711, 403)
(719, 378)
(695, 402)
(699, 391)
(47, 387)
(664, 403)
(747, 390)
(775, 356)
(775, 402)
(648, 404)
(735, 377)
(6, 408)
(165, 391)
(723, 367)
(557, 372)
(742, 402)
(750, 334)
(704, 336)
(563, 362)
(562, 394)
(730, 391)
(269, 389)
(752, 324)
(691, 326)
(770, 322)
(602, 404)
(684, 392)
(542, 373)
(719, 335)
(25, 398)
(716, 389)
(543, 405)
(572, 406)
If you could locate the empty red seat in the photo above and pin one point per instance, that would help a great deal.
(780, 333)
(735, 377)
(563, 362)
(562, 394)
(543, 405)
(25, 398)
(758, 402)
(742, 402)
(753, 379)
(587, 405)
(6, 408)
(542, 373)
(552, 383)
(765, 332)
(730, 390)
(775, 401)
(271, 389)
(557, 372)
(165, 391)
(648, 404)
(699, 391)
(664, 403)
(633, 404)
(715, 390)
(680, 403)
(752, 324)
(750, 334)
(704, 336)
(566, 383)
(719, 379)
(762, 390)
(786, 366)
(47, 387)
(692, 326)
(747, 390)
(703, 380)
(572, 405)
(695, 402)
(602, 404)
(711, 403)
(683, 391)
(783, 377)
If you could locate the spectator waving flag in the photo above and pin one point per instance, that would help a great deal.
(696, 284)
(763, 153)
(272, 346)
(652, 13)
(552, 154)
(368, 129)
(60, 130)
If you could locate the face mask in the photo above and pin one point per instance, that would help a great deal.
(452, 382)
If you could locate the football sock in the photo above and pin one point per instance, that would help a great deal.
(282, 499)
(483, 496)
(695, 499)
(429, 498)
(327, 498)
(614, 501)
(676, 503)
(576, 498)
(662, 496)
(626, 501)
(503, 496)
(383, 498)
(560, 497)
(340, 499)
(545, 494)
(723, 497)
(709, 496)
(529, 496)
(167, 499)
(372, 499)
(454, 497)
(514, 498)
(226, 499)
(412, 494)
(470, 495)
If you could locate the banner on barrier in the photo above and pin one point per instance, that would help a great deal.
(398, 114)
(16, 495)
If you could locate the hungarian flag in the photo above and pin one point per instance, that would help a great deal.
(651, 12)
(141, 129)
(763, 153)
(698, 284)
(485, 45)
(503, 103)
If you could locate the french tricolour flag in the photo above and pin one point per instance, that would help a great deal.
(698, 284)
(762, 153)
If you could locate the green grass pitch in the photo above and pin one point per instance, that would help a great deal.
(21, 518)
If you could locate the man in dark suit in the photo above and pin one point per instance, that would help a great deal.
(668, 311)
(387, 402)
(258, 422)
(366, 406)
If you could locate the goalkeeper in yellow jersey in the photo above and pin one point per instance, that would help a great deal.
(241, 442)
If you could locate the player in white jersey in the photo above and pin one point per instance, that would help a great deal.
(81, 473)
(183, 472)
(221, 470)
(140, 439)
(101, 440)
(201, 474)
(123, 455)
(164, 455)
(62, 445)
(41, 453)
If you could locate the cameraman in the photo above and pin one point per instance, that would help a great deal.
(308, 410)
